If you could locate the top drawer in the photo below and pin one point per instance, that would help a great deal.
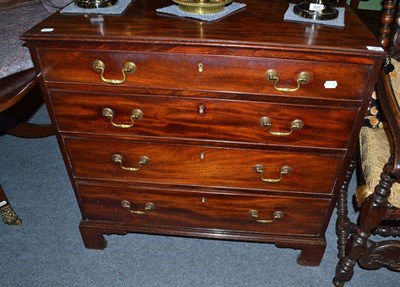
(206, 72)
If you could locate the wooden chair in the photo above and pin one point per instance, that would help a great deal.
(378, 168)
(19, 89)
(17, 93)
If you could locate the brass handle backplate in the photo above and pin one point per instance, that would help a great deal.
(148, 207)
(99, 66)
(302, 79)
(143, 160)
(285, 170)
(276, 215)
(295, 125)
(135, 115)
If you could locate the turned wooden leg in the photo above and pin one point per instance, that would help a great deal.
(343, 225)
(386, 231)
(371, 216)
(7, 213)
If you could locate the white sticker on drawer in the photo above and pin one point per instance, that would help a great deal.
(375, 48)
(2, 203)
(330, 84)
(47, 30)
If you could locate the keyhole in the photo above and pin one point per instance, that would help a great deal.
(200, 65)
(202, 109)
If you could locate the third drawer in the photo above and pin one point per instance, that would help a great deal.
(217, 167)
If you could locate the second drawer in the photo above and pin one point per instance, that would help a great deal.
(204, 119)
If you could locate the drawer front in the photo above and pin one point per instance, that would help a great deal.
(328, 80)
(203, 119)
(202, 166)
(275, 215)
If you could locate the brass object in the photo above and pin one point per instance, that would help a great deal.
(276, 215)
(9, 216)
(316, 10)
(143, 160)
(285, 170)
(99, 66)
(302, 79)
(200, 67)
(202, 6)
(135, 115)
(148, 207)
(266, 122)
(89, 4)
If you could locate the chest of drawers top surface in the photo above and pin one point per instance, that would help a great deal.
(259, 24)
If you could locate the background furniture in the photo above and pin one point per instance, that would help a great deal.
(378, 194)
(13, 89)
(192, 134)
(20, 95)
(353, 3)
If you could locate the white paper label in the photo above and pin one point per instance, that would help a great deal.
(316, 7)
(375, 48)
(98, 19)
(2, 203)
(330, 84)
(47, 30)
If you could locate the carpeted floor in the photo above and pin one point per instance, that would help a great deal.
(11, 4)
(47, 250)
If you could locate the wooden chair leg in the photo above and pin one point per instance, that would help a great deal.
(372, 212)
(343, 225)
(7, 213)
(30, 130)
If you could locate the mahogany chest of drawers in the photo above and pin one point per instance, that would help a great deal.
(240, 129)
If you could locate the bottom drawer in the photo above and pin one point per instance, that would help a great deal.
(281, 215)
